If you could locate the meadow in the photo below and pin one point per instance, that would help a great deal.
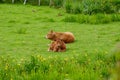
(23, 46)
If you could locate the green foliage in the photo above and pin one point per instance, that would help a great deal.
(45, 2)
(68, 7)
(93, 7)
(76, 67)
(83, 18)
(115, 17)
(93, 19)
(31, 65)
(79, 6)
(70, 19)
(58, 3)
(1, 1)
(33, 2)
(7, 68)
(10, 1)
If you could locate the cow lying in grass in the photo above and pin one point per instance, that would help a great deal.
(57, 46)
(67, 37)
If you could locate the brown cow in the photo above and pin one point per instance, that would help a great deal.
(67, 37)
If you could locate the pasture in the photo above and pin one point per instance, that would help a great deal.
(22, 35)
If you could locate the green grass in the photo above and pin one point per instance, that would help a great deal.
(22, 34)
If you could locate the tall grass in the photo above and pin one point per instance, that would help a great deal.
(56, 68)
(93, 19)
(92, 7)
(115, 72)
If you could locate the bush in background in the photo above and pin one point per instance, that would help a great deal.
(93, 19)
(58, 3)
(92, 7)
(79, 6)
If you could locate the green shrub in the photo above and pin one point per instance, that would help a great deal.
(103, 18)
(7, 1)
(77, 8)
(58, 3)
(1, 1)
(83, 18)
(92, 7)
(33, 2)
(45, 2)
(10, 1)
(115, 17)
(70, 19)
(116, 3)
(68, 7)
(108, 7)
(31, 65)
(93, 19)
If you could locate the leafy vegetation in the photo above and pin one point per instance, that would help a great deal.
(78, 6)
(92, 7)
(23, 48)
(93, 19)
(52, 68)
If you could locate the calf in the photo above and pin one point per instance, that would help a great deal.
(57, 46)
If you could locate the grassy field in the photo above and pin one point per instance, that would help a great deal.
(22, 34)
